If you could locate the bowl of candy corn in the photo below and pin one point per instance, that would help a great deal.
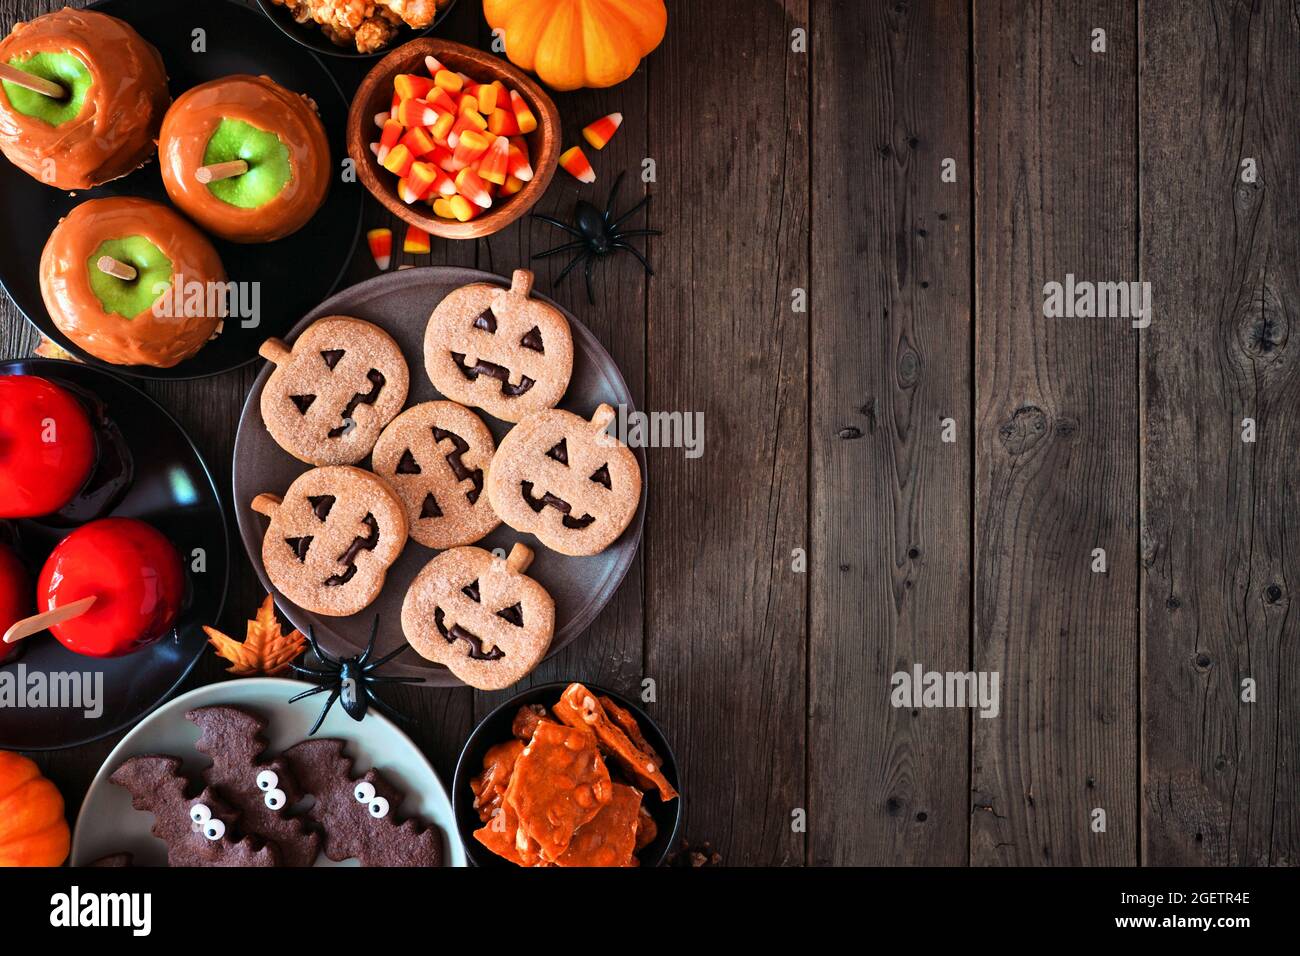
(453, 140)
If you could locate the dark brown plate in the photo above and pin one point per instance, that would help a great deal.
(400, 303)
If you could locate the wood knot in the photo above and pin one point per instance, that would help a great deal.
(1263, 326)
(908, 366)
(1023, 430)
(848, 433)
(869, 410)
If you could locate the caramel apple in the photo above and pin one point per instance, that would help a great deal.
(132, 282)
(47, 447)
(112, 95)
(134, 577)
(245, 158)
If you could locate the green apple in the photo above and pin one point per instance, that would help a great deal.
(268, 163)
(128, 298)
(64, 69)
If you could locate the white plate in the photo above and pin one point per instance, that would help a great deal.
(109, 824)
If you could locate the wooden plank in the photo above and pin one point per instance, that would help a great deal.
(725, 613)
(1221, 547)
(891, 308)
(1056, 436)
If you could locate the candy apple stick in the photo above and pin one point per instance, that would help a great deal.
(217, 171)
(41, 622)
(116, 268)
(37, 84)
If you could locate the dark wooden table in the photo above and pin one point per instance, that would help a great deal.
(800, 151)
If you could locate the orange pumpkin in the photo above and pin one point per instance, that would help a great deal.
(576, 43)
(32, 829)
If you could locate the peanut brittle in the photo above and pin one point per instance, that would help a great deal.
(559, 783)
(526, 721)
(578, 707)
(503, 836)
(610, 838)
(490, 786)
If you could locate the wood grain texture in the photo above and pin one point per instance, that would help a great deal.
(890, 559)
(1055, 437)
(1221, 552)
(725, 612)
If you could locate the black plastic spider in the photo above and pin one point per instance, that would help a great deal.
(598, 236)
(350, 678)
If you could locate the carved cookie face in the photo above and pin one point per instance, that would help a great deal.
(436, 456)
(479, 615)
(566, 481)
(332, 394)
(499, 349)
(332, 539)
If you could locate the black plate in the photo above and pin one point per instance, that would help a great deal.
(295, 273)
(399, 303)
(311, 36)
(172, 490)
(495, 729)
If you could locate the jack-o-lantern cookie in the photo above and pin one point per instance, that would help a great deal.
(332, 538)
(332, 394)
(566, 481)
(435, 456)
(479, 615)
(499, 349)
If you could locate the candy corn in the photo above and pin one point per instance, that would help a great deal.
(392, 132)
(399, 161)
(489, 95)
(493, 165)
(441, 101)
(449, 81)
(419, 182)
(517, 164)
(381, 119)
(416, 242)
(442, 208)
(462, 209)
(503, 123)
(412, 86)
(432, 65)
(471, 146)
(419, 141)
(523, 115)
(471, 186)
(416, 113)
(602, 131)
(574, 162)
(512, 186)
(442, 129)
(381, 246)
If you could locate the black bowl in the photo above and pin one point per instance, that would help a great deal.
(313, 37)
(495, 728)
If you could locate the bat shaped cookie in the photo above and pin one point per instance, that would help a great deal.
(261, 791)
(359, 816)
(194, 829)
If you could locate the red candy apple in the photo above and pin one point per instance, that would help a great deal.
(132, 572)
(15, 596)
(47, 446)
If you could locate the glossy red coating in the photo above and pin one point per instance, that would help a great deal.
(47, 446)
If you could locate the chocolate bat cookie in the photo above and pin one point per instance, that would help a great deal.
(194, 828)
(359, 816)
(262, 791)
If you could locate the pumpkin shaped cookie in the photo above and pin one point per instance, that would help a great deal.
(499, 349)
(566, 481)
(435, 456)
(332, 394)
(479, 615)
(332, 538)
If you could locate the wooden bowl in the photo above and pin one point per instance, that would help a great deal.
(375, 95)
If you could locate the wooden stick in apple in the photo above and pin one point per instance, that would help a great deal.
(46, 620)
(28, 81)
(116, 268)
(219, 171)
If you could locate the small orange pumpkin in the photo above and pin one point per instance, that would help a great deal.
(32, 829)
(575, 43)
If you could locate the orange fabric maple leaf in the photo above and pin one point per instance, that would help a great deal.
(265, 650)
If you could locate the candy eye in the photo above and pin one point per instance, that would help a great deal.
(379, 808)
(364, 792)
(275, 799)
(200, 813)
(268, 780)
(214, 830)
